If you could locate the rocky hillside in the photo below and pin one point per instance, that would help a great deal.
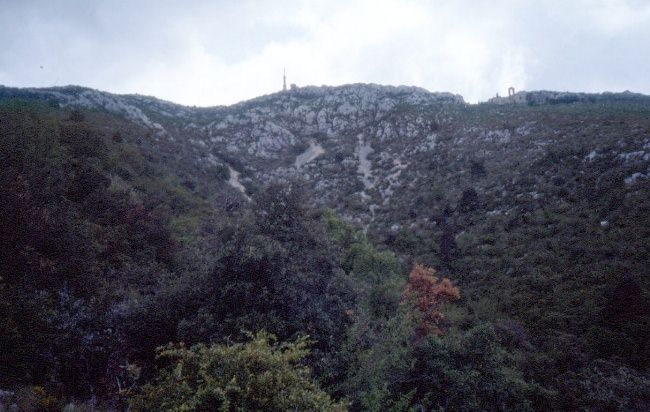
(536, 207)
(378, 153)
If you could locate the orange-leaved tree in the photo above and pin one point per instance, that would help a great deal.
(429, 294)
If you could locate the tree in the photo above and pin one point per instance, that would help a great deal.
(428, 295)
(279, 272)
(469, 200)
(258, 375)
(471, 371)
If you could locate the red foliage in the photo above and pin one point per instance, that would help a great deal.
(429, 294)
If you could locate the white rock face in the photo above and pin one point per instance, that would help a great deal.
(632, 157)
(112, 103)
(233, 181)
(313, 151)
(365, 167)
(500, 136)
(392, 179)
(592, 156)
(382, 143)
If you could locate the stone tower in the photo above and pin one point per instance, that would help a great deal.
(284, 80)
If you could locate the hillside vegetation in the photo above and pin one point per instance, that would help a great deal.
(352, 248)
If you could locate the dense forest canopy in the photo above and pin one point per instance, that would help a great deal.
(131, 278)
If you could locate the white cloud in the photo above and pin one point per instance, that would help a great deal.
(206, 53)
(615, 16)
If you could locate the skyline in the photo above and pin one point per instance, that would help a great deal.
(220, 53)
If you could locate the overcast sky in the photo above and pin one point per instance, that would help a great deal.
(220, 52)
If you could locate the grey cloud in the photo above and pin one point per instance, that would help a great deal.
(207, 52)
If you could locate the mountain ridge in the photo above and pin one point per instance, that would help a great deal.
(539, 95)
(356, 145)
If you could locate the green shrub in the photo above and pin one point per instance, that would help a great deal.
(258, 375)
